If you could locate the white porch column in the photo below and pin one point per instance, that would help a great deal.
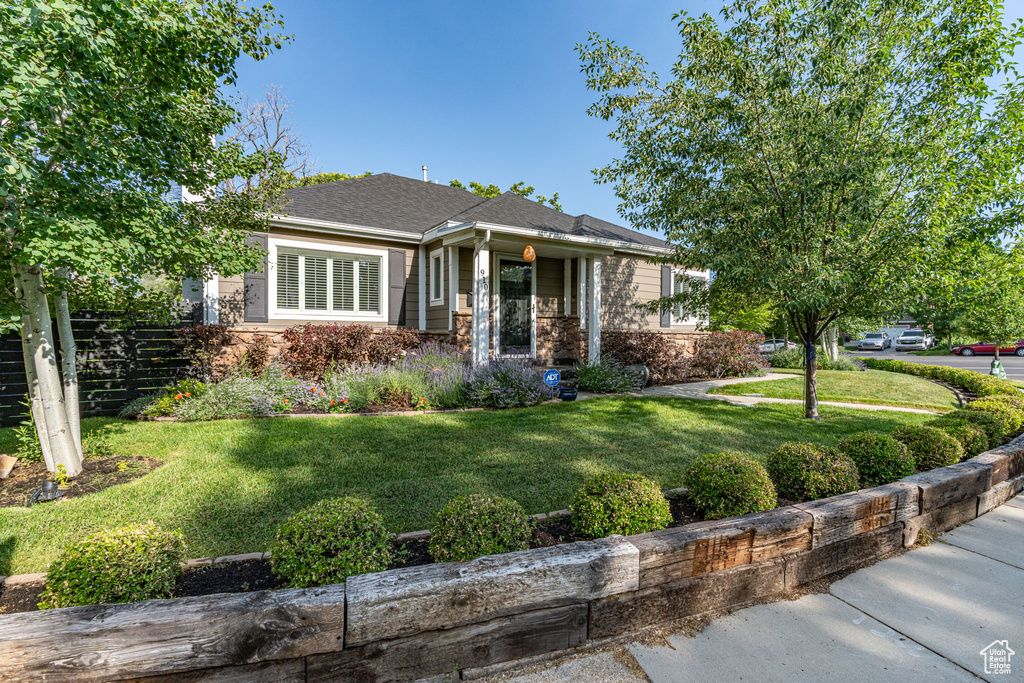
(594, 331)
(481, 302)
(453, 286)
(211, 300)
(567, 286)
(581, 301)
(421, 321)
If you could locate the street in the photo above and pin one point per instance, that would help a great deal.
(1014, 365)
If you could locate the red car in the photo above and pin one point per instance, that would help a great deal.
(989, 347)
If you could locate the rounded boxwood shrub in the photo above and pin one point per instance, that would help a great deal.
(330, 541)
(808, 471)
(1015, 400)
(929, 447)
(130, 563)
(619, 504)
(1012, 417)
(972, 438)
(993, 426)
(726, 484)
(472, 526)
(880, 458)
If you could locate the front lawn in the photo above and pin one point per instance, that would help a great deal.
(227, 484)
(873, 387)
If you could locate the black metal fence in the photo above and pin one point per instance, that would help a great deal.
(118, 361)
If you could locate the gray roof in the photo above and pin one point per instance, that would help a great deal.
(394, 202)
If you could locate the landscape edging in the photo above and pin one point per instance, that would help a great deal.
(496, 610)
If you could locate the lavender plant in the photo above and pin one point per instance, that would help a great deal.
(509, 383)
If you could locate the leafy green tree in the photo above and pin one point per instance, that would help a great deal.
(105, 107)
(816, 152)
(521, 188)
(993, 310)
(318, 178)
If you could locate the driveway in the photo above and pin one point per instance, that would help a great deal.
(1014, 365)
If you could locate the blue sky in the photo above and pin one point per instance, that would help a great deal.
(481, 91)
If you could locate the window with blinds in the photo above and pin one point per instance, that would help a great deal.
(679, 285)
(320, 282)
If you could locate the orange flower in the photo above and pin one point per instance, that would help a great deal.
(187, 394)
(312, 390)
(332, 401)
(284, 400)
(344, 400)
(178, 397)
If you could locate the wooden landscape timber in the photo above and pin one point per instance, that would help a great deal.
(460, 619)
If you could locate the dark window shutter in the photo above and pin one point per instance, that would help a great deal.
(666, 290)
(396, 286)
(255, 285)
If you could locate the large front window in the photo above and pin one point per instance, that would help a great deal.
(327, 283)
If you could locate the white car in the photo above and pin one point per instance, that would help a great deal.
(915, 340)
(874, 341)
(773, 345)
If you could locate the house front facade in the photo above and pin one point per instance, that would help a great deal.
(500, 277)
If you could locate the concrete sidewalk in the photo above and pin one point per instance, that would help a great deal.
(700, 390)
(923, 616)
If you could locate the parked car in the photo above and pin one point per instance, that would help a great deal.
(773, 345)
(915, 339)
(989, 347)
(874, 341)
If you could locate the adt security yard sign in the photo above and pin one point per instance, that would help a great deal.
(552, 378)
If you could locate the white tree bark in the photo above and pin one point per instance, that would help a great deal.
(44, 360)
(35, 402)
(69, 353)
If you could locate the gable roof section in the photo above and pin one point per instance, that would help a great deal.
(411, 206)
(384, 201)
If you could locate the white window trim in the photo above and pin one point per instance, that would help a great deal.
(439, 275)
(275, 313)
(700, 274)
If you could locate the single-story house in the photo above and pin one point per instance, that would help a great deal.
(391, 251)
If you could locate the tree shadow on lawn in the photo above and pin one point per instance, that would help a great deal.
(410, 466)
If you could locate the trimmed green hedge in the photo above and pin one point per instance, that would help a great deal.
(880, 458)
(472, 526)
(127, 564)
(619, 504)
(808, 471)
(974, 382)
(930, 447)
(726, 485)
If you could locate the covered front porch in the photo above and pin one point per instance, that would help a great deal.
(513, 296)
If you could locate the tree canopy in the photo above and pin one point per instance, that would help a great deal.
(521, 188)
(817, 153)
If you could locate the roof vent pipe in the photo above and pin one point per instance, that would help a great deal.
(424, 173)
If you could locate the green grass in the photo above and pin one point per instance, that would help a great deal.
(935, 351)
(873, 387)
(227, 484)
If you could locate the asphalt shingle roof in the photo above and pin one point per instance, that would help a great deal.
(408, 205)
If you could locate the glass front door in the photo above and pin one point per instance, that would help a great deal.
(515, 308)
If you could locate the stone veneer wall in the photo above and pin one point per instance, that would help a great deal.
(559, 339)
(467, 620)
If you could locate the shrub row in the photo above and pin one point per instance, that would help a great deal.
(969, 380)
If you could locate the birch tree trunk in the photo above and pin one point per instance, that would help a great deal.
(35, 403)
(44, 360)
(69, 354)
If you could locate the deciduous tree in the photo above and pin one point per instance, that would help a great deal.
(816, 152)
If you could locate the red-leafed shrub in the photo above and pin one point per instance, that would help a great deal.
(313, 350)
(660, 353)
(728, 354)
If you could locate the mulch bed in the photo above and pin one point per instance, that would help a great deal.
(97, 474)
(255, 575)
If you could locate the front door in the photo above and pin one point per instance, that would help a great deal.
(515, 308)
